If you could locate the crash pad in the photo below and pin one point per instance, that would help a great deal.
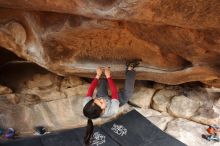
(131, 129)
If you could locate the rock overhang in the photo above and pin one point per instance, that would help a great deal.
(177, 41)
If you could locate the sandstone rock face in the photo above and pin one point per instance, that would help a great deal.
(142, 97)
(218, 102)
(70, 82)
(161, 99)
(55, 103)
(189, 132)
(12, 98)
(47, 94)
(182, 106)
(45, 86)
(177, 41)
(207, 115)
(41, 81)
(160, 121)
(5, 90)
(32, 104)
(201, 95)
(190, 103)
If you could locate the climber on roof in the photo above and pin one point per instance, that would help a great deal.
(103, 105)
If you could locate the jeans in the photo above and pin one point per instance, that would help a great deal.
(124, 94)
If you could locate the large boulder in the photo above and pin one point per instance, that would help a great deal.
(183, 107)
(142, 96)
(200, 94)
(161, 100)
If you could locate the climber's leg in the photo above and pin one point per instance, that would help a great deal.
(126, 93)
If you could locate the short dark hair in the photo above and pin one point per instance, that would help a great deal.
(92, 110)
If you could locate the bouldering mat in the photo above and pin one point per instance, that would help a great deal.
(72, 137)
(133, 129)
(99, 137)
(34, 141)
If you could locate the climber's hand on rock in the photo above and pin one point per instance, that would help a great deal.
(107, 72)
(98, 72)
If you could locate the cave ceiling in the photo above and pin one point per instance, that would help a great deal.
(178, 41)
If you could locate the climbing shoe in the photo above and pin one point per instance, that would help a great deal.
(132, 63)
(10, 133)
(40, 130)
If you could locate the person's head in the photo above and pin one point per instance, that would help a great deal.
(92, 110)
